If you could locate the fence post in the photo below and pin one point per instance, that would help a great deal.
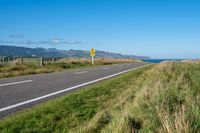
(41, 62)
(22, 60)
(3, 60)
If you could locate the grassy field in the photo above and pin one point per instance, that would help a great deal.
(29, 67)
(163, 98)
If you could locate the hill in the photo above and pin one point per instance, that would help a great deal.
(51, 52)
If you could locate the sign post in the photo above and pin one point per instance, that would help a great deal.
(92, 54)
(92, 60)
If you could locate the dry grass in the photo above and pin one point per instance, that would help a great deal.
(98, 60)
(191, 61)
(15, 68)
(166, 101)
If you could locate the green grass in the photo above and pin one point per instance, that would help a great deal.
(163, 98)
(70, 111)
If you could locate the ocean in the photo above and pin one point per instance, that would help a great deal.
(160, 60)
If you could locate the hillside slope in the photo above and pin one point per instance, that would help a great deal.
(42, 52)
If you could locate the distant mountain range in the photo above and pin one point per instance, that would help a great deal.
(12, 51)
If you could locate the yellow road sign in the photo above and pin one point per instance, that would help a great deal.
(92, 54)
(92, 51)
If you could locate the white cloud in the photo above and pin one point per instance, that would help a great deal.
(19, 35)
(53, 41)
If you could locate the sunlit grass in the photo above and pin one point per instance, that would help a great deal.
(73, 110)
(16, 69)
(163, 98)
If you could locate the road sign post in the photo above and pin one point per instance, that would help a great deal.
(92, 54)
(92, 60)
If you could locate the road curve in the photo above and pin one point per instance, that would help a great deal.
(22, 92)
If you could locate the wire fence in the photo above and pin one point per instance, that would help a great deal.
(37, 61)
(34, 61)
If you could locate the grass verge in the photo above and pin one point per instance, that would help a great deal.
(164, 98)
(69, 112)
(17, 69)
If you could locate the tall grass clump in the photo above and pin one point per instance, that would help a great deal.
(166, 99)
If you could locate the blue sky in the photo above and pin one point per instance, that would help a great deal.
(156, 28)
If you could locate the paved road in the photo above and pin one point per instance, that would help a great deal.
(22, 92)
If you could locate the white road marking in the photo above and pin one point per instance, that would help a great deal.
(81, 72)
(67, 89)
(105, 68)
(14, 83)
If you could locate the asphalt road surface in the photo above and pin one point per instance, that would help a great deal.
(25, 91)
